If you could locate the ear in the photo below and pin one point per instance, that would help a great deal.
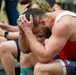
(42, 22)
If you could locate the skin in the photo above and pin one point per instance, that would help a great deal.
(9, 52)
(5, 51)
(25, 60)
(5, 46)
(58, 39)
(11, 35)
(2, 39)
(14, 28)
(9, 28)
(56, 7)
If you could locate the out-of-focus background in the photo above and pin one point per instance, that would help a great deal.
(3, 16)
(65, 4)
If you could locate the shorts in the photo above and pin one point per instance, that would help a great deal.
(18, 57)
(69, 67)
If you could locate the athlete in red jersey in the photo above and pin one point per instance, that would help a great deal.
(69, 51)
(63, 27)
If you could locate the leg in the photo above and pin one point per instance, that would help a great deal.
(52, 68)
(11, 10)
(27, 62)
(8, 53)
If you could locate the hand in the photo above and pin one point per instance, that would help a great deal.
(24, 24)
(56, 7)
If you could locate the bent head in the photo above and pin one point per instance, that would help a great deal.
(37, 15)
(40, 16)
(39, 29)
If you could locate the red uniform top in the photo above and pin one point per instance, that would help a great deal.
(69, 51)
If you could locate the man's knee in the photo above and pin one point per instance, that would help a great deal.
(4, 48)
(41, 68)
(38, 68)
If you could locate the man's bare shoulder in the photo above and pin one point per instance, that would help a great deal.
(61, 29)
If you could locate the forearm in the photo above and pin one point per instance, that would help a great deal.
(12, 28)
(12, 35)
(36, 47)
(9, 28)
(23, 44)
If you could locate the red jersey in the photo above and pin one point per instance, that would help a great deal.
(69, 51)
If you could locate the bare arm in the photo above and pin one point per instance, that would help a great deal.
(9, 27)
(10, 35)
(13, 35)
(23, 44)
(53, 46)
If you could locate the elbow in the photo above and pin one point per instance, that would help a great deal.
(24, 50)
(44, 59)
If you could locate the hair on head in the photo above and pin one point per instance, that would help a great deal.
(34, 12)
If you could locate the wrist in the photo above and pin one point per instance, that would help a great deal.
(6, 34)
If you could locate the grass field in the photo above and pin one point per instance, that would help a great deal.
(3, 16)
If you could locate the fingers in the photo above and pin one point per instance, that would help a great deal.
(31, 19)
(22, 19)
(23, 23)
